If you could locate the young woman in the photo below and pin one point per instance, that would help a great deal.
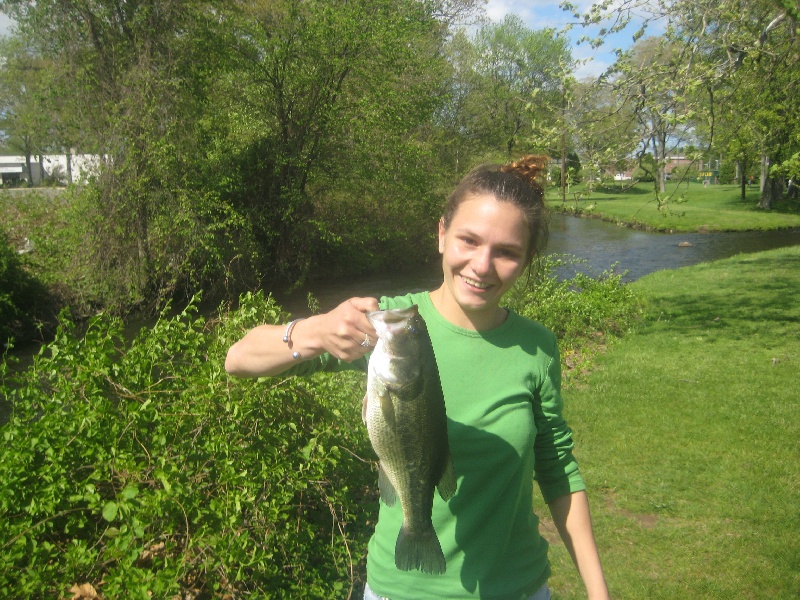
(501, 379)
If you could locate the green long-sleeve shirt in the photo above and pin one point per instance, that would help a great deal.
(505, 428)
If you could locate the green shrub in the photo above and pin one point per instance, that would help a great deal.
(9, 274)
(143, 469)
(687, 173)
(21, 296)
(584, 311)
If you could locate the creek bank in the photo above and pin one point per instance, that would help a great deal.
(572, 211)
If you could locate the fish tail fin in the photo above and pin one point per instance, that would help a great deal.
(420, 551)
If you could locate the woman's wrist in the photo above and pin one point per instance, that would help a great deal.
(287, 338)
(300, 338)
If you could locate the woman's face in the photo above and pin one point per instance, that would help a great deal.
(484, 251)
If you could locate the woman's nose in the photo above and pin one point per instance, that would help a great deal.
(482, 261)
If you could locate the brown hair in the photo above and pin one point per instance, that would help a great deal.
(519, 183)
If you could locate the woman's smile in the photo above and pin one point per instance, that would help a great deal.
(478, 284)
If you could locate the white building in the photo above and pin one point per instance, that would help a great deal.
(14, 170)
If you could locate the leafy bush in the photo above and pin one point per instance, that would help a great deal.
(584, 311)
(687, 173)
(9, 274)
(59, 225)
(144, 470)
(57, 176)
(21, 296)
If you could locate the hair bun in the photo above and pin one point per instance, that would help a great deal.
(532, 168)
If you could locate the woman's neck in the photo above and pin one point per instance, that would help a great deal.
(477, 320)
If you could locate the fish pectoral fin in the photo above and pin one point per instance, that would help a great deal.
(447, 482)
(364, 409)
(388, 493)
(387, 409)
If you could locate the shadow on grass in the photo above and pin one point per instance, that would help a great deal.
(745, 295)
(752, 198)
(787, 206)
(614, 192)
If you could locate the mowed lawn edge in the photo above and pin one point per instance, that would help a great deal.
(688, 433)
(685, 208)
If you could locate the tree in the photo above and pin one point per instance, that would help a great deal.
(648, 79)
(727, 50)
(508, 85)
(131, 91)
(323, 97)
(748, 56)
(605, 130)
(25, 80)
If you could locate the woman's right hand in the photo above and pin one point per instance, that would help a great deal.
(345, 332)
(341, 332)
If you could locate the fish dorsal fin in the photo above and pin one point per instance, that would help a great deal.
(388, 493)
(447, 482)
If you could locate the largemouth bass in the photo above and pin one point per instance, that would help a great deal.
(405, 416)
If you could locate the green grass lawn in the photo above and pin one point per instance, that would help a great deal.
(690, 207)
(688, 432)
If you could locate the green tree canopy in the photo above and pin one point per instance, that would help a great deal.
(734, 65)
(508, 84)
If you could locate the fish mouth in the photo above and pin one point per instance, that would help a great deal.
(392, 316)
(388, 323)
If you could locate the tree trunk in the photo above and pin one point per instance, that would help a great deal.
(741, 166)
(771, 189)
(660, 153)
(28, 166)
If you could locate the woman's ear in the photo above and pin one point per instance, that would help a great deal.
(442, 231)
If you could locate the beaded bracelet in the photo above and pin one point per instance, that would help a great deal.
(287, 338)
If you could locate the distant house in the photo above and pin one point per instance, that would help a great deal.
(14, 170)
(675, 162)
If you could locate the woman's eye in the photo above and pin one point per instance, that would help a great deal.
(507, 253)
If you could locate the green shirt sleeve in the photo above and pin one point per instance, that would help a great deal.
(556, 469)
(325, 363)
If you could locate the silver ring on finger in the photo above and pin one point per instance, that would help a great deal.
(366, 342)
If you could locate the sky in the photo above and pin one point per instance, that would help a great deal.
(5, 23)
(539, 14)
